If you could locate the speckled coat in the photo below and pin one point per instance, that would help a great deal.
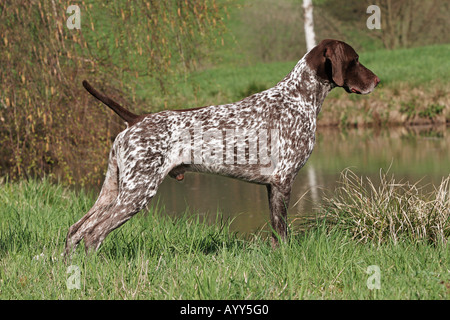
(265, 138)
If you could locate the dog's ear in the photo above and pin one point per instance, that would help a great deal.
(335, 54)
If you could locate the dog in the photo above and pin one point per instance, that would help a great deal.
(265, 138)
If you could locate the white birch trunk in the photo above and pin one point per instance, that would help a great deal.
(309, 24)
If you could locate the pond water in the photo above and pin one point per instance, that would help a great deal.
(411, 154)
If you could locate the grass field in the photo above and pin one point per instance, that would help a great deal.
(413, 89)
(154, 256)
(423, 66)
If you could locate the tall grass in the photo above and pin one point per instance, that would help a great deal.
(394, 210)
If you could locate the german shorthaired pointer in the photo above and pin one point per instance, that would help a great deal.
(265, 138)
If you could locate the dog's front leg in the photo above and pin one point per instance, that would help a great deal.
(278, 204)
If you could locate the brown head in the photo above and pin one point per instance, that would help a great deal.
(338, 63)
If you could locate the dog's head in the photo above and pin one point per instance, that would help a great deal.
(338, 63)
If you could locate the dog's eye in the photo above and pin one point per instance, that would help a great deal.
(356, 59)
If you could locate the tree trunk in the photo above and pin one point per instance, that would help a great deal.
(309, 24)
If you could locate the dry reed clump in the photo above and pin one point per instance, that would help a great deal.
(392, 211)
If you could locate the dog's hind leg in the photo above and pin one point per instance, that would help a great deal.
(135, 192)
(137, 185)
(108, 194)
(113, 217)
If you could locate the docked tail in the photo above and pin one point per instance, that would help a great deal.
(126, 115)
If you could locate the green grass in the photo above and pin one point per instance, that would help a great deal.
(423, 67)
(415, 66)
(154, 256)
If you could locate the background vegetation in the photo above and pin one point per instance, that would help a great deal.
(47, 122)
(175, 54)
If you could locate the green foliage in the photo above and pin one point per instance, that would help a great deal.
(431, 111)
(409, 108)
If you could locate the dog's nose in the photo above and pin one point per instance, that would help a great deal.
(377, 81)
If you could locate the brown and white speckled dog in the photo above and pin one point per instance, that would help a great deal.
(218, 139)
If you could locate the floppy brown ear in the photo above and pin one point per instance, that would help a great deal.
(334, 54)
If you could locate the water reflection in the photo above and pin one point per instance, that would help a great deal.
(411, 154)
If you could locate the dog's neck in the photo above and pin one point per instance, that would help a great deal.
(304, 85)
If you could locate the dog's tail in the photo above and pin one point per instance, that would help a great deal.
(125, 114)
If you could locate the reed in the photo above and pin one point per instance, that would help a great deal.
(394, 210)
